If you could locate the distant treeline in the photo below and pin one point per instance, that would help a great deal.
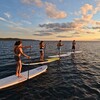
(17, 39)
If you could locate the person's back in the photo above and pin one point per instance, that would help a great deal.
(73, 45)
(16, 50)
(73, 42)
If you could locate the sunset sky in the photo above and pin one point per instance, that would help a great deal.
(50, 19)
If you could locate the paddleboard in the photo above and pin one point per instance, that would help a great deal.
(61, 55)
(44, 62)
(77, 52)
(12, 80)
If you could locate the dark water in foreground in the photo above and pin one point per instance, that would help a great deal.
(76, 77)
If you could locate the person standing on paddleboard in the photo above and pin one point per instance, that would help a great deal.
(42, 47)
(59, 44)
(73, 45)
(17, 55)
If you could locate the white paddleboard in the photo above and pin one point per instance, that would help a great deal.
(77, 52)
(12, 80)
(44, 62)
(61, 55)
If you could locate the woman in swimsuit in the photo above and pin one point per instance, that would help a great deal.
(42, 46)
(73, 45)
(59, 44)
(18, 52)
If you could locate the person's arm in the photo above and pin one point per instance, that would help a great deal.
(61, 44)
(43, 45)
(21, 51)
(58, 44)
(26, 46)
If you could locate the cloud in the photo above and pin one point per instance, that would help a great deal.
(43, 34)
(26, 22)
(58, 25)
(26, 1)
(20, 29)
(38, 3)
(11, 23)
(77, 13)
(17, 27)
(25, 15)
(86, 8)
(30, 2)
(76, 33)
(7, 15)
(60, 36)
(62, 27)
(98, 23)
(79, 26)
(88, 11)
(97, 7)
(71, 36)
(97, 39)
(95, 27)
(89, 32)
(2, 19)
(53, 12)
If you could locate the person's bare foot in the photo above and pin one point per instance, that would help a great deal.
(20, 76)
(16, 74)
(41, 60)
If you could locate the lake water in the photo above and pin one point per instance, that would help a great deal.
(76, 77)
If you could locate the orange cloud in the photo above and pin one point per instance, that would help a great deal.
(53, 12)
(86, 8)
(37, 2)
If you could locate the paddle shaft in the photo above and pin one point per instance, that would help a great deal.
(28, 68)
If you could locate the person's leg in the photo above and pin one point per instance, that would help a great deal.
(40, 55)
(58, 50)
(17, 68)
(17, 64)
(74, 48)
(20, 68)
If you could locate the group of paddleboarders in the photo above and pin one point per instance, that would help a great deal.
(59, 44)
(18, 52)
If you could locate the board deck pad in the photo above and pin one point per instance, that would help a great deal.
(39, 62)
(12, 80)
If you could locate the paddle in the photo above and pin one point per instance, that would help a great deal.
(30, 60)
(44, 52)
(59, 53)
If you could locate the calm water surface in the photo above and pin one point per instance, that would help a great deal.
(76, 77)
